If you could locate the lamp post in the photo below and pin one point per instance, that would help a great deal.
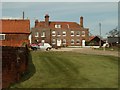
(100, 34)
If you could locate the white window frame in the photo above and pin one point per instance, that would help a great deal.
(3, 36)
(65, 41)
(72, 32)
(53, 43)
(53, 33)
(43, 34)
(77, 40)
(36, 34)
(73, 41)
(57, 26)
(58, 34)
(77, 33)
(64, 32)
(83, 33)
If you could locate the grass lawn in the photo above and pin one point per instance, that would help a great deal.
(70, 70)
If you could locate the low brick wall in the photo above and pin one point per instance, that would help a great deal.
(14, 64)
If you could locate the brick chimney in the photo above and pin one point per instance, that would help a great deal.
(23, 15)
(36, 22)
(81, 21)
(47, 20)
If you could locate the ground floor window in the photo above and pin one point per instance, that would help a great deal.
(2, 36)
(53, 41)
(64, 41)
(78, 41)
(72, 41)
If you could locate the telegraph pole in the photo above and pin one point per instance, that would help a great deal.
(100, 34)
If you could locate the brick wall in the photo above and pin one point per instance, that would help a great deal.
(14, 64)
(48, 36)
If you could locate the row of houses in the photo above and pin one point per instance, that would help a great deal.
(17, 32)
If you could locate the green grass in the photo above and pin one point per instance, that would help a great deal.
(70, 70)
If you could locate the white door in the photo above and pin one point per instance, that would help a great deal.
(83, 42)
(58, 42)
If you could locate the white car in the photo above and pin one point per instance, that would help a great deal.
(45, 46)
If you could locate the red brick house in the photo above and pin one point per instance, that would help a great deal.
(58, 33)
(14, 32)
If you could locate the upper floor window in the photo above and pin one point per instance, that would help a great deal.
(43, 34)
(83, 33)
(36, 34)
(53, 33)
(57, 26)
(72, 33)
(78, 33)
(58, 34)
(64, 33)
(2, 36)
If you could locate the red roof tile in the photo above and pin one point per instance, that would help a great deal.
(63, 24)
(14, 26)
(91, 37)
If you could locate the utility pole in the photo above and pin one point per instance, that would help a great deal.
(100, 34)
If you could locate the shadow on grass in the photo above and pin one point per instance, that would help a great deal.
(31, 69)
(28, 74)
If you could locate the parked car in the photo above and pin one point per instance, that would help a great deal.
(45, 46)
(34, 46)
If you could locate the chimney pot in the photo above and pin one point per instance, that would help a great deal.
(46, 20)
(23, 15)
(81, 21)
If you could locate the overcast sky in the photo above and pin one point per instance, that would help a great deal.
(94, 13)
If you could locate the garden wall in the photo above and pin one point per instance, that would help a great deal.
(14, 64)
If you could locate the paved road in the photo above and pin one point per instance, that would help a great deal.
(89, 51)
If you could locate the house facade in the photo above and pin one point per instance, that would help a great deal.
(58, 33)
(14, 32)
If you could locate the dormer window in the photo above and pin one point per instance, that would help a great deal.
(57, 26)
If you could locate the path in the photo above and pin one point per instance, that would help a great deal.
(89, 51)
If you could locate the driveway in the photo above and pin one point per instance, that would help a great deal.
(89, 51)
